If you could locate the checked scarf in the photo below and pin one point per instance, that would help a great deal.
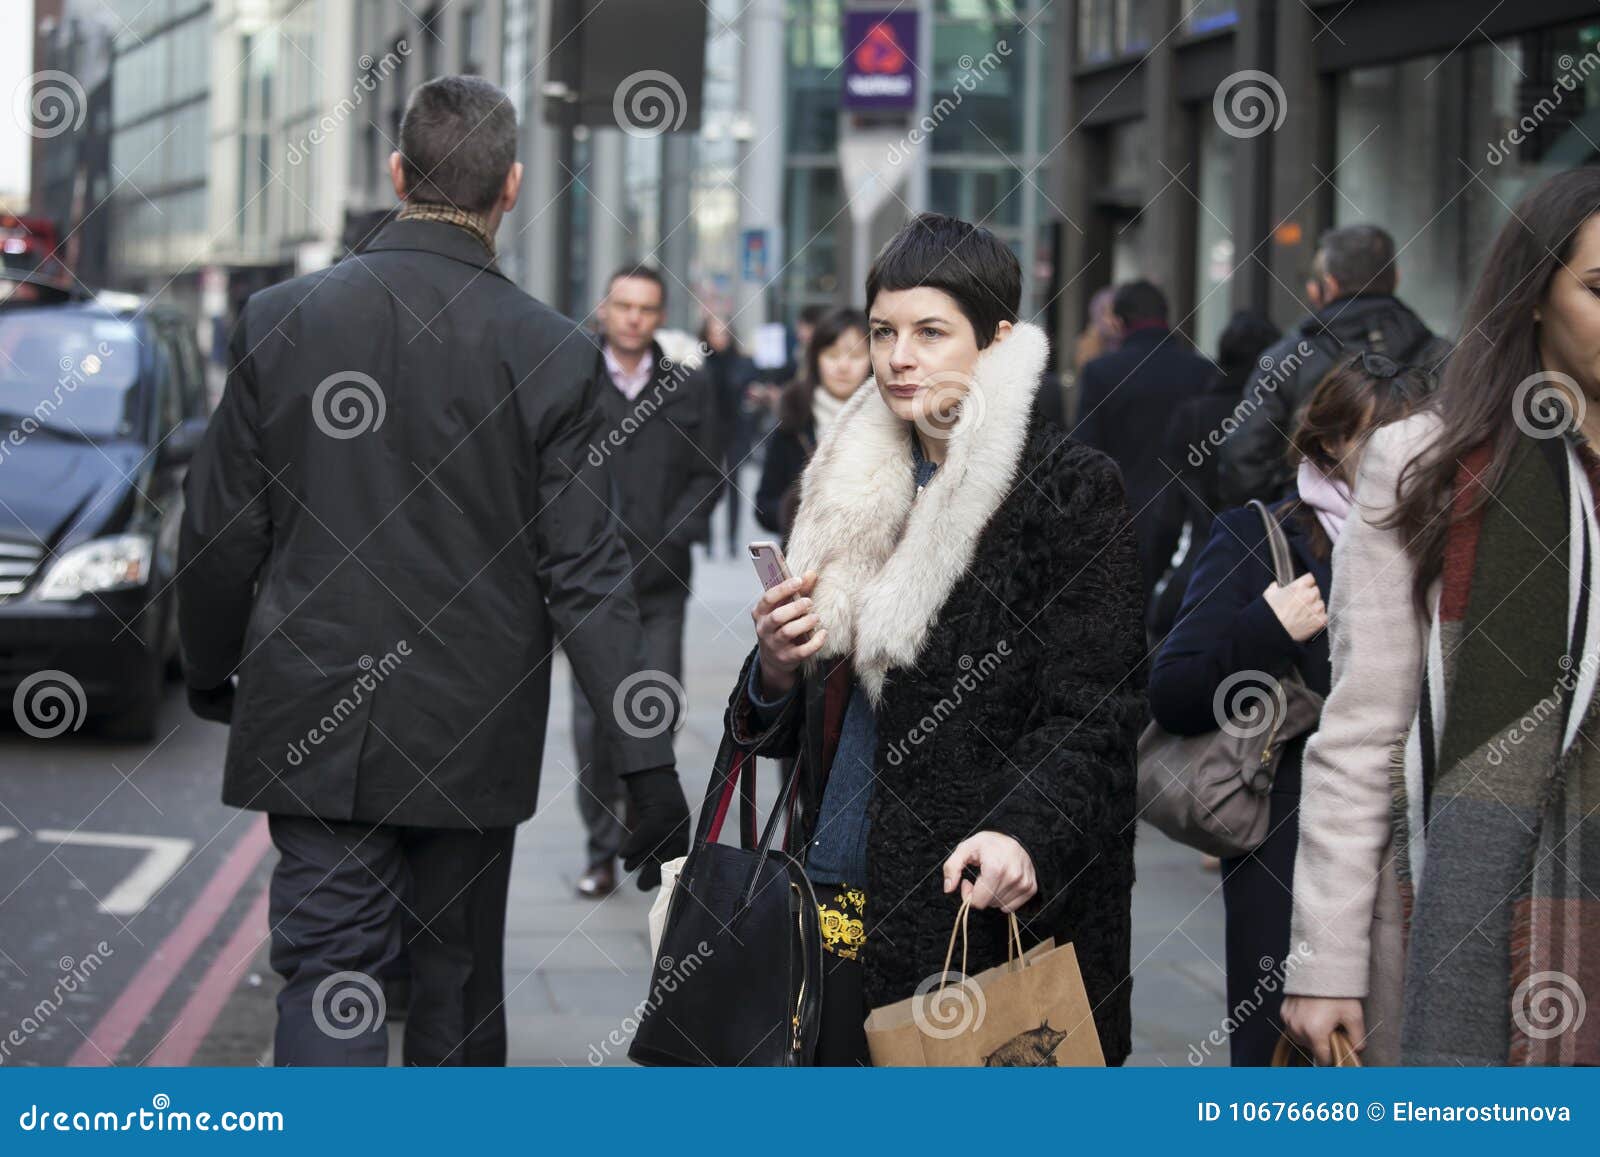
(1497, 787)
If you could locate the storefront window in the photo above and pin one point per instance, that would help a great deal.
(1476, 129)
(977, 83)
(993, 196)
(814, 47)
(813, 216)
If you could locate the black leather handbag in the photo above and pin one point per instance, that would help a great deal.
(737, 979)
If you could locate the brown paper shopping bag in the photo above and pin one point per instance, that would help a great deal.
(1030, 1011)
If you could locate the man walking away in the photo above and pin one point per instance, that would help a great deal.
(1126, 399)
(1351, 290)
(393, 519)
(663, 440)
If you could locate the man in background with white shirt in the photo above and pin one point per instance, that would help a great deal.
(660, 434)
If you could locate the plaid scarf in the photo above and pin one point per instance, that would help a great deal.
(475, 223)
(1497, 787)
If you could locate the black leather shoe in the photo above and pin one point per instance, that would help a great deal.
(600, 880)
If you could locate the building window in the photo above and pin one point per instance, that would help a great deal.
(472, 40)
(1097, 31)
(1209, 15)
(1109, 29)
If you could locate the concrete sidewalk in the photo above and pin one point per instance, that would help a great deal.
(575, 969)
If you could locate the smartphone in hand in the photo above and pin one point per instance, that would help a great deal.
(771, 567)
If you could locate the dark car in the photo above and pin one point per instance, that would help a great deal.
(102, 403)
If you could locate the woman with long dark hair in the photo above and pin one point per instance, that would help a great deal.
(1441, 886)
(836, 363)
(1239, 633)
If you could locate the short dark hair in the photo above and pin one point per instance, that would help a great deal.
(811, 314)
(964, 260)
(458, 140)
(643, 272)
(1139, 301)
(1359, 257)
(830, 327)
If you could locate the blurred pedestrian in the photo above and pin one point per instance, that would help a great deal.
(837, 363)
(731, 374)
(1239, 629)
(1352, 294)
(1196, 430)
(1125, 400)
(393, 516)
(1101, 335)
(915, 510)
(661, 434)
(1446, 878)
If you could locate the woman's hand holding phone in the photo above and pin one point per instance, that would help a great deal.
(784, 618)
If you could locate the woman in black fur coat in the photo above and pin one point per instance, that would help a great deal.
(959, 659)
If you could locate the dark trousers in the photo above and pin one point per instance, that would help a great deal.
(1258, 901)
(841, 1027)
(347, 899)
(602, 802)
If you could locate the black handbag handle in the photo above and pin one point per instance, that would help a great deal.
(731, 772)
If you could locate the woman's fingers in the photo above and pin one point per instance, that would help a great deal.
(798, 628)
(774, 597)
(794, 655)
(790, 610)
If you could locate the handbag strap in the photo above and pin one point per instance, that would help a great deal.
(1277, 544)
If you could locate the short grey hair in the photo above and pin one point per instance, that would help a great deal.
(458, 140)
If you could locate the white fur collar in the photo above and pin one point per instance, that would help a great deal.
(886, 565)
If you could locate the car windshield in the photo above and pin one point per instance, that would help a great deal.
(68, 371)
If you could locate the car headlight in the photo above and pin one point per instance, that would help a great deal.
(106, 564)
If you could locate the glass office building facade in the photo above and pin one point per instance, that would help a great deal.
(981, 161)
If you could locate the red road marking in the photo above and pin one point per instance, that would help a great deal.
(205, 1003)
(156, 975)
